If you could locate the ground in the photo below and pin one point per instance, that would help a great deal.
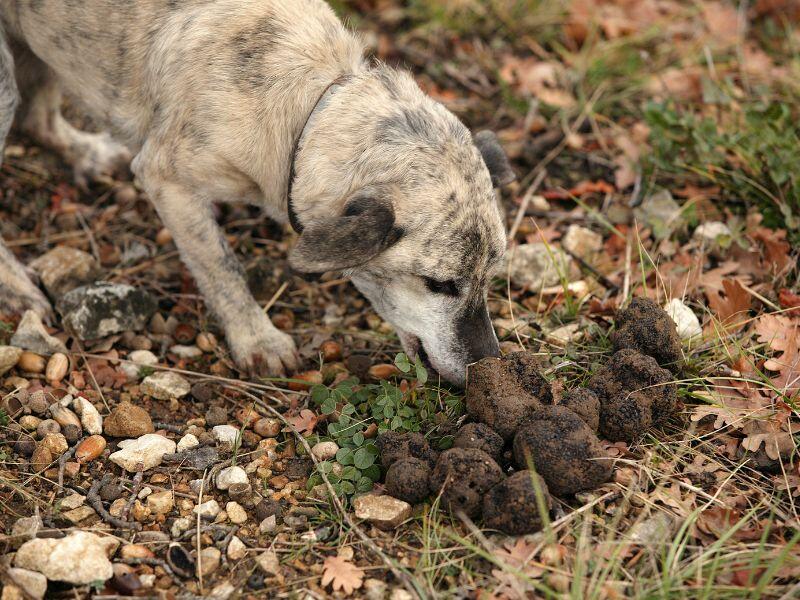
(655, 142)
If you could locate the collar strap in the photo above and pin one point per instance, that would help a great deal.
(321, 102)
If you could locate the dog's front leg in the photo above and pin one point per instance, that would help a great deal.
(255, 343)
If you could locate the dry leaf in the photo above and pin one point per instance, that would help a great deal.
(788, 299)
(782, 334)
(540, 79)
(304, 422)
(341, 574)
(731, 309)
(722, 22)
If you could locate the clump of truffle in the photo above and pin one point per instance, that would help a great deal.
(563, 450)
(480, 436)
(626, 417)
(584, 403)
(463, 476)
(502, 392)
(408, 479)
(644, 326)
(393, 446)
(512, 507)
(629, 371)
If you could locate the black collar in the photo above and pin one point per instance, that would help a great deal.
(293, 220)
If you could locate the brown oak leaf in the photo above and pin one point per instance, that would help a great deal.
(732, 307)
(342, 574)
(304, 422)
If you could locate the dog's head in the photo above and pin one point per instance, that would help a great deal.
(393, 189)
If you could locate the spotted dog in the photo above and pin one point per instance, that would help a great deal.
(269, 102)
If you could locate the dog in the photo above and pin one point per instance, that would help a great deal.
(272, 103)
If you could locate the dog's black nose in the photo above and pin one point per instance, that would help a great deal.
(476, 333)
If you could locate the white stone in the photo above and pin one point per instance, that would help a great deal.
(148, 450)
(90, 418)
(236, 513)
(9, 355)
(34, 584)
(182, 351)
(63, 269)
(565, 334)
(269, 563)
(225, 434)
(222, 591)
(536, 265)
(160, 503)
(324, 450)
(582, 242)
(229, 476)
(268, 525)
(207, 510)
(686, 321)
(79, 558)
(384, 512)
(31, 335)
(188, 442)
(180, 525)
(710, 232)
(236, 549)
(72, 501)
(165, 385)
(660, 212)
(143, 358)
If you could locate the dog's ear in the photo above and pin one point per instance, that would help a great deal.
(365, 229)
(495, 158)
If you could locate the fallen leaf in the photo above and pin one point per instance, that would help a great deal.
(722, 22)
(542, 79)
(782, 334)
(717, 521)
(788, 299)
(776, 248)
(341, 574)
(732, 307)
(304, 422)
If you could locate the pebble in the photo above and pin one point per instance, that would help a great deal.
(216, 415)
(47, 426)
(582, 242)
(140, 512)
(324, 450)
(102, 309)
(79, 558)
(375, 589)
(269, 563)
(180, 525)
(188, 442)
(268, 427)
(229, 476)
(536, 265)
(384, 512)
(143, 358)
(72, 501)
(91, 420)
(128, 420)
(26, 528)
(165, 385)
(686, 321)
(30, 362)
(34, 584)
(236, 549)
(79, 514)
(41, 458)
(30, 423)
(186, 352)
(660, 212)
(64, 268)
(209, 561)
(207, 342)
(207, 510)
(711, 231)
(160, 503)
(9, 355)
(225, 434)
(90, 448)
(236, 513)
(147, 451)
(268, 525)
(63, 415)
(31, 335)
(56, 368)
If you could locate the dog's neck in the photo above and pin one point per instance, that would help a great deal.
(319, 106)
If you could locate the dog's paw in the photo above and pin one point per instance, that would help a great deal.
(264, 351)
(99, 160)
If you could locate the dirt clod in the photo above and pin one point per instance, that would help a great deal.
(463, 476)
(394, 446)
(482, 437)
(646, 327)
(584, 403)
(502, 392)
(512, 507)
(408, 479)
(564, 451)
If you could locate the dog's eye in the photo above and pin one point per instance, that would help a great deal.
(447, 288)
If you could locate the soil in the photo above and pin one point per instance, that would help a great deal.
(646, 327)
(584, 403)
(394, 446)
(463, 476)
(482, 437)
(563, 449)
(502, 392)
(630, 371)
(511, 506)
(408, 479)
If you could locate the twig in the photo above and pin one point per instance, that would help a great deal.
(93, 498)
(62, 463)
(198, 541)
(153, 562)
(169, 427)
(275, 296)
(137, 485)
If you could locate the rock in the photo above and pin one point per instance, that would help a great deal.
(324, 450)
(26, 528)
(198, 458)
(72, 501)
(102, 309)
(582, 242)
(653, 532)
(165, 385)
(229, 476)
(76, 515)
(563, 450)
(375, 589)
(63, 269)
(56, 443)
(268, 562)
(128, 420)
(584, 403)
(207, 510)
(713, 232)
(536, 266)
(46, 426)
(462, 476)
(225, 434)
(561, 336)
(160, 503)
(216, 415)
(32, 336)
(236, 513)
(686, 322)
(236, 549)
(408, 480)
(34, 584)
(394, 446)
(63, 415)
(645, 327)
(512, 505)
(268, 525)
(91, 420)
(143, 358)
(30, 362)
(268, 427)
(208, 561)
(41, 458)
(384, 512)
(79, 558)
(660, 212)
(186, 352)
(142, 453)
(480, 436)
(9, 355)
(188, 442)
